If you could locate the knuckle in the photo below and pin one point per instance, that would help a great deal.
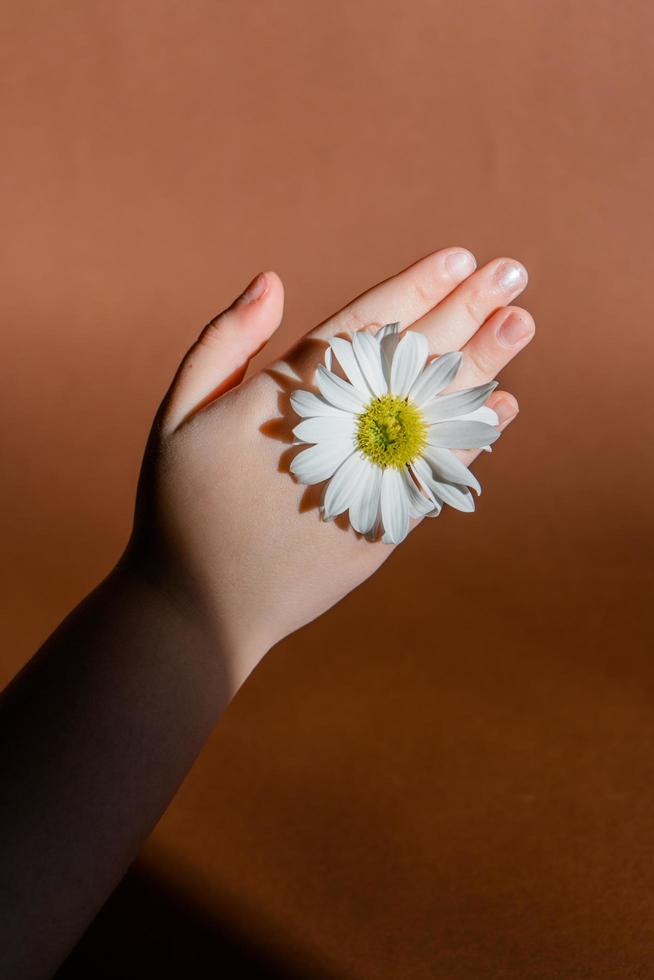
(211, 333)
(425, 293)
(481, 360)
(350, 320)
(471, 303)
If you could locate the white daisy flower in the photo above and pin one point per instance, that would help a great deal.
(383, 434)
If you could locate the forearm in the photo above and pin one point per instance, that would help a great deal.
(97, 733)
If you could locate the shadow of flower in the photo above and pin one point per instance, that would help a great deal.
(297, 370)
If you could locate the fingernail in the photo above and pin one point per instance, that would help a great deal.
(513, 330)
(255, 289)
(511, 275)
(506, 411)
(460, 264)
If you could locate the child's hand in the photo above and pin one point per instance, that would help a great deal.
(220, 522)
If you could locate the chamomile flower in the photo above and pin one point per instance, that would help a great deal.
(382, 433)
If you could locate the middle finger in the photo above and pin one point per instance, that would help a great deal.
(454, 321)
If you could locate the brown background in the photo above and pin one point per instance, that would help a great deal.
(451, 774)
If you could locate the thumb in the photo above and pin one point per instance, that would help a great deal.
(218, 359)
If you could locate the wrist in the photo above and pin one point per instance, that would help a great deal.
(197, 619)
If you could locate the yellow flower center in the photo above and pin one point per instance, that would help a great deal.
(391, 431)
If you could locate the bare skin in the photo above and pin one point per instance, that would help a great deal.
(227, 556)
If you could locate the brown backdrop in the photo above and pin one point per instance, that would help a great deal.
(451, 774)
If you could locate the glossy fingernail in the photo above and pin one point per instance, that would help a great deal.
(506, 411)
(511, 275)
(255, 289)
(513, 330)
(460, 264)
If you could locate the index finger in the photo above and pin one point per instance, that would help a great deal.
(406, 296)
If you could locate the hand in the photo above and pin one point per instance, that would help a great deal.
(227, 556)
(220, 523)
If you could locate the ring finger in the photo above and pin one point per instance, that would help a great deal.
(497, 342)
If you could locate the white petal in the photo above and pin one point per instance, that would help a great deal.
(344, 487)
(306, 404)
(388, 330)
(455, 495)
(339, 392)
(457, 403)
(328, 358)
(438, 374)
(422, 472)
(457, 434)
(373, 533)
(388, 338)
(445, 466)
(483, 414)
(330, 427)
(345, 357)
(394, 505)
(317, 463)
(365, 509)
(368, 355)
(408, 361)
(419, 505)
